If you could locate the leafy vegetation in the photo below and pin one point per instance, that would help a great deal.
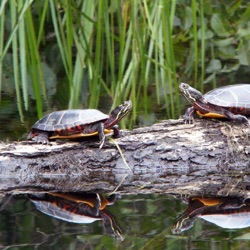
(70, 54)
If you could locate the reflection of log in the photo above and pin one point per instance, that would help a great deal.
(168, 157)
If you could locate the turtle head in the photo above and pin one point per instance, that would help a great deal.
(120, 111)
(191, 94)
(182, 224)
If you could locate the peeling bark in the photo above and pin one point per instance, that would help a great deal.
(168, 157)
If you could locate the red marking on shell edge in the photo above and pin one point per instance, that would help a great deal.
(74, 210)
(69, 129)
(67, 207)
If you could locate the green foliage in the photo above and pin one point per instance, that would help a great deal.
(138, 50)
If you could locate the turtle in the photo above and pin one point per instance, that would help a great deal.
(226, 212)
(231, 101)
(81, 208)
(75, 123)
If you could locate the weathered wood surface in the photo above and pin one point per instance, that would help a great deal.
(168, 157)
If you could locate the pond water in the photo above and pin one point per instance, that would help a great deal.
(146, 222)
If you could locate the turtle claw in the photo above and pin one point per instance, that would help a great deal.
(102, 142)
(247, 124)
(40, 140)
(188, 119)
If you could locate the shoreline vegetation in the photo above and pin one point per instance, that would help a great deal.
(72, 54)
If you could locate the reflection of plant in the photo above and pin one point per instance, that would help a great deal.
(123, 49)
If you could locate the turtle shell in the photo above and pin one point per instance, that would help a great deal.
(64, 214)
(231, 96)
(234, 212)
(231, 221)
(65, 119)
(77, 208)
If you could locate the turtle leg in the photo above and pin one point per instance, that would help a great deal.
(238, 118)
(189, 115)
(111, 226)
(41, 137)
(116, 130)
(97, 205)
(232, 203)
(242, 119)
(101, 133)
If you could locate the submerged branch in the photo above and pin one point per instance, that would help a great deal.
(168, 157)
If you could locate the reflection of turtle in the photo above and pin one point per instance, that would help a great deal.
(77, 208)
(225, 212)
(230, 102)
(75, 123)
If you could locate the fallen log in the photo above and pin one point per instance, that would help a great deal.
(168, 157)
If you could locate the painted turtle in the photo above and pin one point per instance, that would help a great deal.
(81, 208)
(225, 212)
(232, 102)
(75, 123)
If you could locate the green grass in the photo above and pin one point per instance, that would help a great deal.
(138, 50)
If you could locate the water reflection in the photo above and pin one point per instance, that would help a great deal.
(146, 219)
(225, 212)
(78, 208)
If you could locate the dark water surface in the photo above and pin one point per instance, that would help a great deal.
(145, 220)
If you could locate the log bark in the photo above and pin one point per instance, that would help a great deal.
(168, 157)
